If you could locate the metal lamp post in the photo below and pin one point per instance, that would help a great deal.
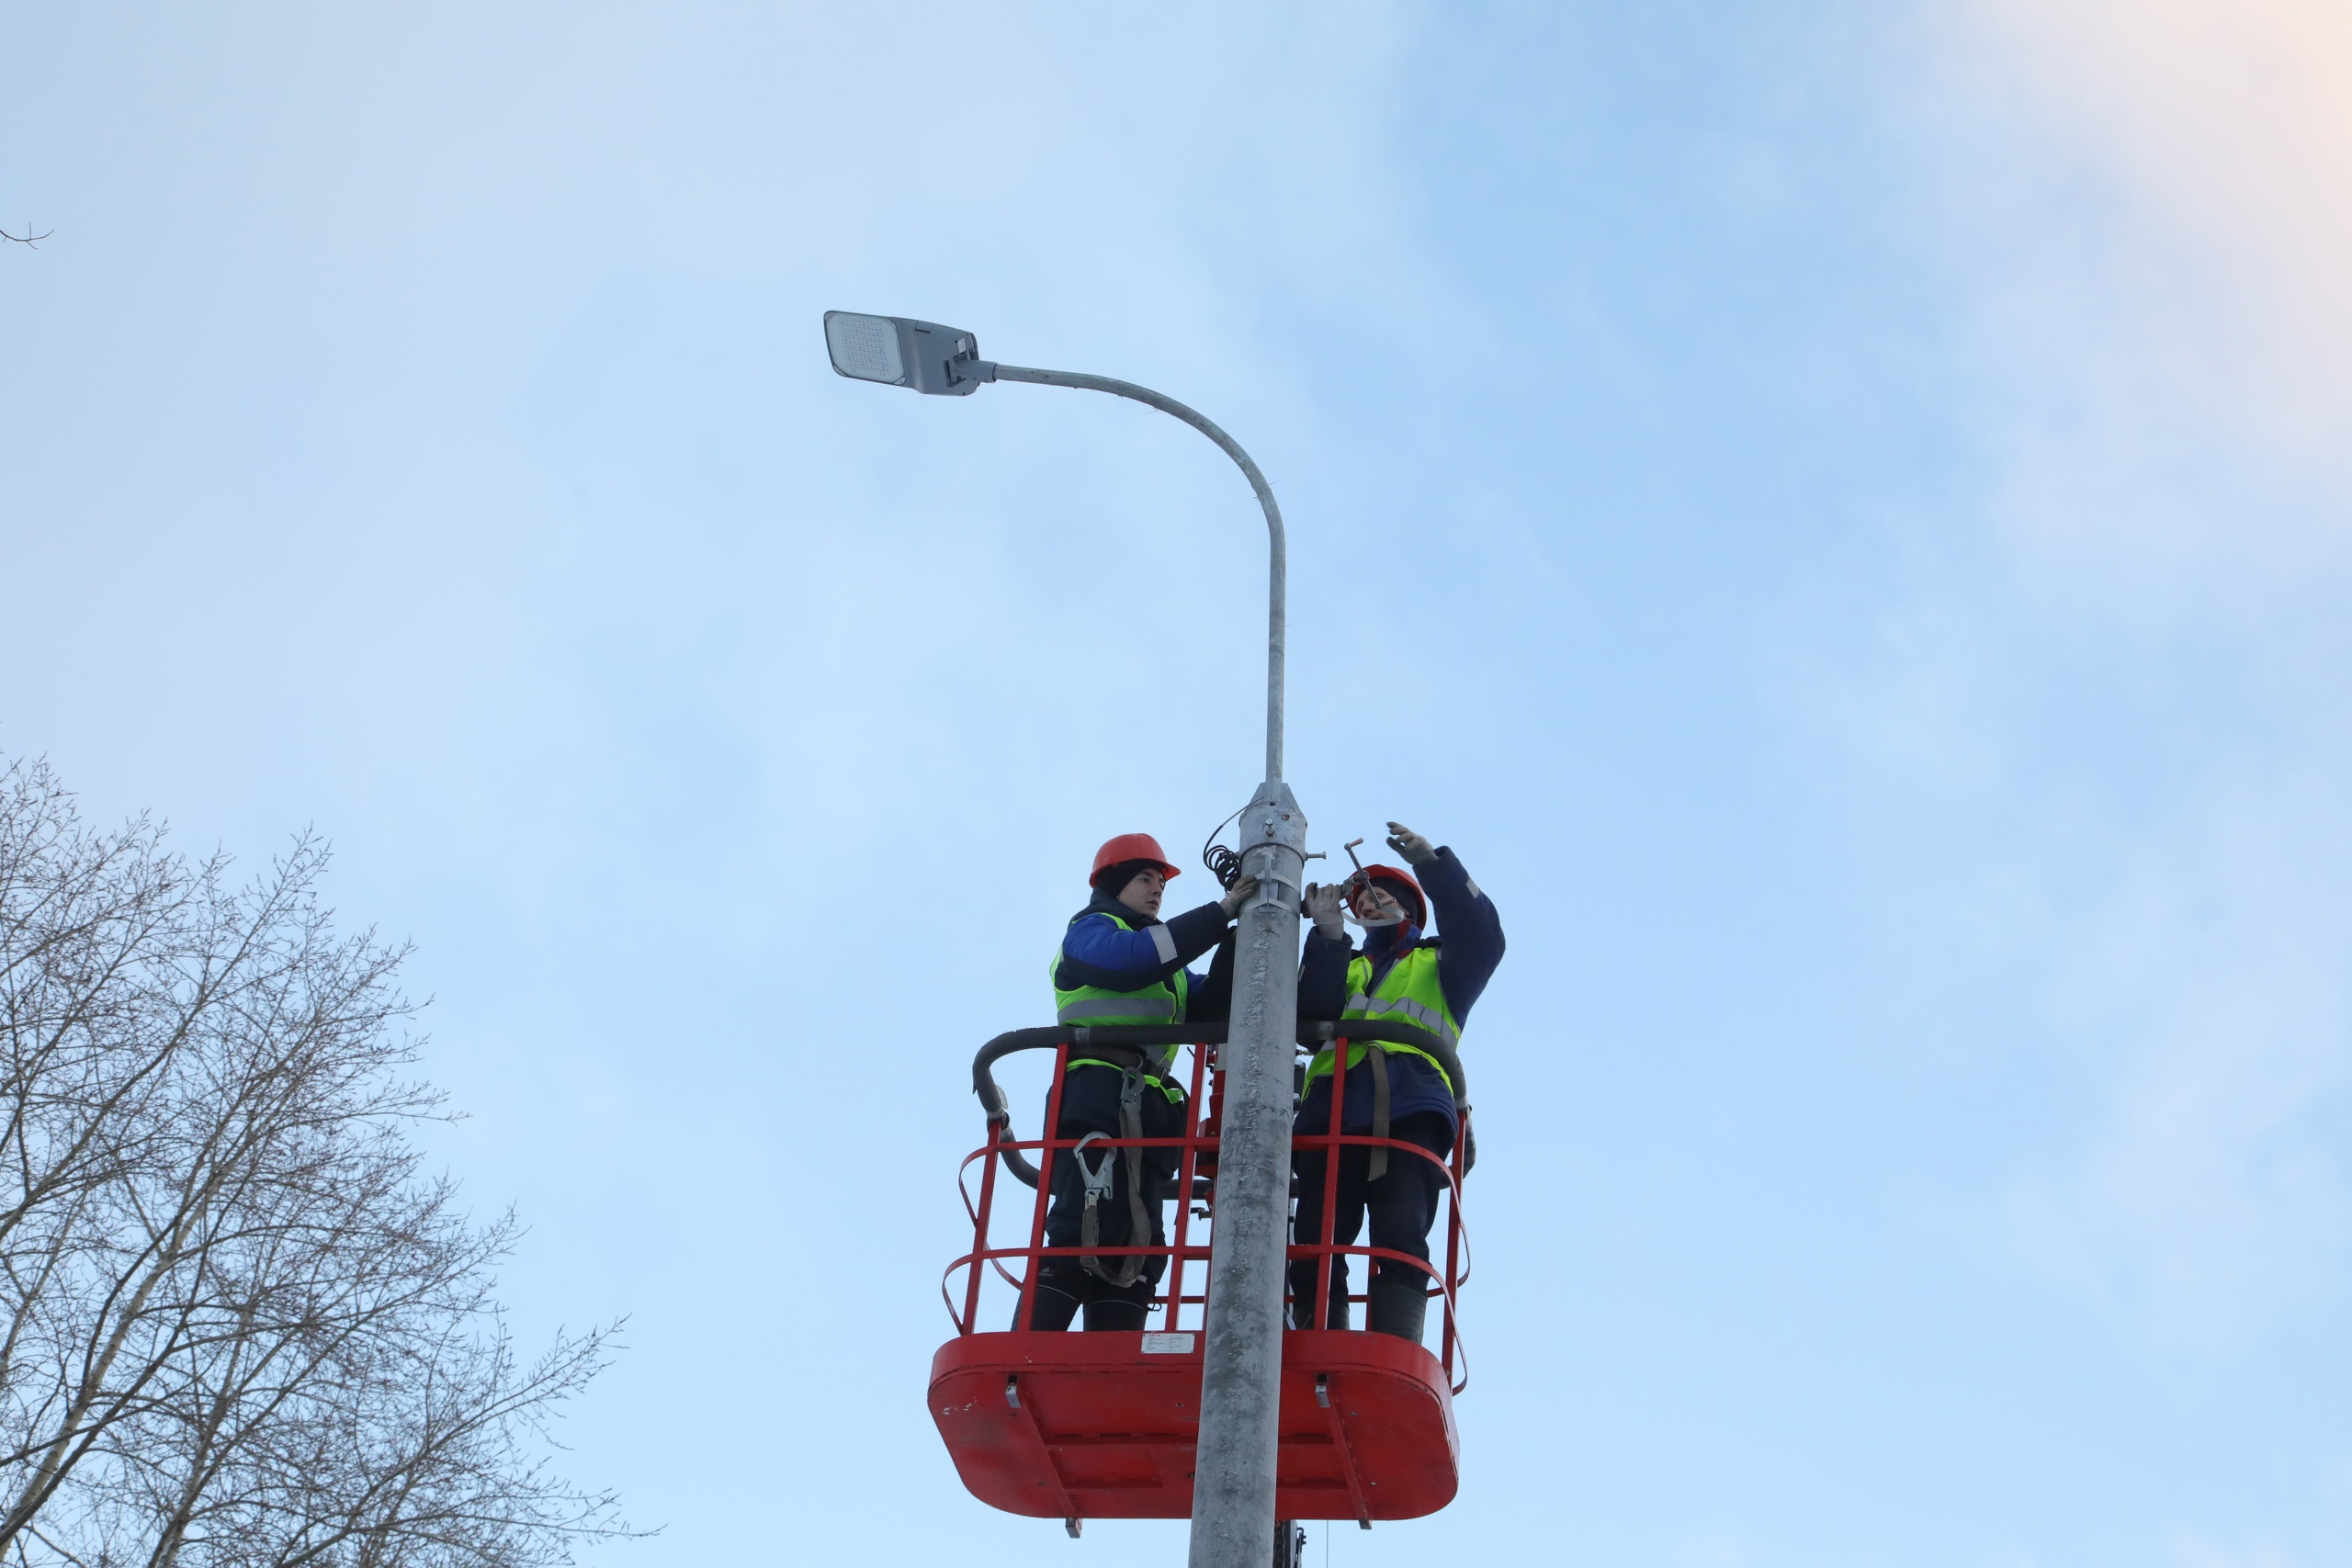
(1233, 1482)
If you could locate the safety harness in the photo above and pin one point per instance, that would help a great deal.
(1160, 1002)
(1102, 1177)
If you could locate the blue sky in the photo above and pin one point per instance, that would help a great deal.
(1837, 513)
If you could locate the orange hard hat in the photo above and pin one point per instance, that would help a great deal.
(1403, 888)
(1130, 847)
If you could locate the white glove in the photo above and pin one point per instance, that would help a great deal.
(1416, 850)
(1323, 906)
(1240, 893)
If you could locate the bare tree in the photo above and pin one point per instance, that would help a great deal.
(241, 1325)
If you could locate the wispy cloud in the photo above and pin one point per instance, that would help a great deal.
(2191, 1550)
(2163, 193)
(2109, 719)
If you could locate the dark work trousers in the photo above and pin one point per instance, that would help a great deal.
(1090, 1104)
(1403, 1205)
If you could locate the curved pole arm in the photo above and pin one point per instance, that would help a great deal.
(1277, 565)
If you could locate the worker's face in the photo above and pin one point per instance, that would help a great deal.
(1143, 892)
(1375, 905)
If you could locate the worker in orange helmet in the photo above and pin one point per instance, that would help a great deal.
(1401, 975)
(1120, 964)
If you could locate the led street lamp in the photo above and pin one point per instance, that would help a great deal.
(898, 352)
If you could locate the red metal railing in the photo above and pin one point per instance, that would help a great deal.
(1182, 1246)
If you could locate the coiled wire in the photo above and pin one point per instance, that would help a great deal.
(1223, 863)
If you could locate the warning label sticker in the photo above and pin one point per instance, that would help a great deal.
(1168, 1344)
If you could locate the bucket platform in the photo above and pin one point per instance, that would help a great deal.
(1076, 1425)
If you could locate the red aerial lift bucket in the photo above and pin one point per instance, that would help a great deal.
(1076, 1425)
(1102, 1426)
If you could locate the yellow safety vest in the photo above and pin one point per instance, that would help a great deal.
(1163, 1002)
(1409, 993)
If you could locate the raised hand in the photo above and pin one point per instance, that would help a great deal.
(1416, 850)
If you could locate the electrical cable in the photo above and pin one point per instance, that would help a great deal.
(1223, 863)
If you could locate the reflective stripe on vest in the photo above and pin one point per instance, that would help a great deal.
(1407, 1009)
(1409, 993)
(1160, 1002)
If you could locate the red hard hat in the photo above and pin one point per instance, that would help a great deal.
(1128, 847)
(1404, 889)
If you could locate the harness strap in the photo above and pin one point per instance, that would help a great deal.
(1377, 1166)
(1122, 1058)
(1099, 1185)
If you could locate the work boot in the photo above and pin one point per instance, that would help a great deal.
(1398, 1306)
(1336, 1316)
(1302, 1290)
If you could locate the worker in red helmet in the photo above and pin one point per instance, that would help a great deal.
(1402, 974)
(1120, 964)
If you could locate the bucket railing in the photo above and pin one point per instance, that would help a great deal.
(1186, 1249)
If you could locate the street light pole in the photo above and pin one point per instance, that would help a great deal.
(1233, 1468)
(1233, 1471)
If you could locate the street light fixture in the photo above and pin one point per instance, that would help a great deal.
(1233, 1484)
(901, 353)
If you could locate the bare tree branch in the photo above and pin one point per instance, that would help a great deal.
(238, 1327)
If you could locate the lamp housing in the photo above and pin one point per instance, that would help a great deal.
(899, 351)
